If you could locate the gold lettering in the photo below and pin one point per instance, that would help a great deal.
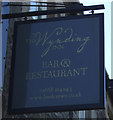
(35, 75)
(50, 64)
(38, 75)
(70, 36)
(50, 43)
(56, 64)
(83, 45)
(46, 41)
(49, 75)
(44, 74)
(47, 49)
(75, 72)
(37, 34)
(55, 75)
(63, 73)
(65, 63)
(84, 70)
(69, 73)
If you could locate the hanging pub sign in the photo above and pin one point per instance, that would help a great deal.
(58, 65)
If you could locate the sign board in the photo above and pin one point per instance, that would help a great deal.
(57, 65)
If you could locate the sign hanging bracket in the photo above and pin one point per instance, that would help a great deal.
(76, 9)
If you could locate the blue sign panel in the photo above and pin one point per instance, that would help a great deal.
(58, 65)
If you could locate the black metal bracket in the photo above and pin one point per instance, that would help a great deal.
(13, 5)
(73, 9)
